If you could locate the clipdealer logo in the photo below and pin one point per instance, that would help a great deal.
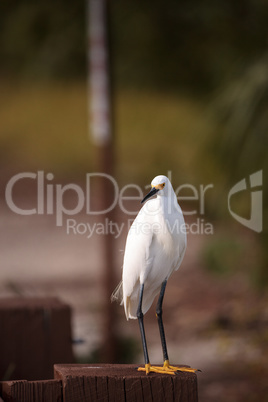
(255, 222)
(51, 200)
(48, 192)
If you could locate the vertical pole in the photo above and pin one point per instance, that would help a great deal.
(102, 136)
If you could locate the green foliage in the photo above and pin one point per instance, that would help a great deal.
(241, 114)
(222, 256)
(242, 111)
(46, 127)
(44, 39)
(185, 44)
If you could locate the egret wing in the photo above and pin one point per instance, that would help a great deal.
(137, 260)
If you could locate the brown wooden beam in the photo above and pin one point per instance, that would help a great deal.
(35, 334)
(31, 391)
(122, 383)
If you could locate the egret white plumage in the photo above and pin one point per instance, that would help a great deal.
(155, 248)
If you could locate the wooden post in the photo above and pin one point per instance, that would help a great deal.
(123, 383)
(103, 382)
(102, 133)
(31, 391)
(35, 334)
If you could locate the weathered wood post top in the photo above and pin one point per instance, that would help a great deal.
(121, 383)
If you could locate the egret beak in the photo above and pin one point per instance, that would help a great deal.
(150, 194)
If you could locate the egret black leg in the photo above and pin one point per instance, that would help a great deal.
(140, 318)
(167, 368)
(160, 320)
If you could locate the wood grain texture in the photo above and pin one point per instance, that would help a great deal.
(123, 383)
(31, 391)
(35, 334)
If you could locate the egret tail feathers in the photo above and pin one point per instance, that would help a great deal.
(131, 304)
(117, 294)
(127, 307)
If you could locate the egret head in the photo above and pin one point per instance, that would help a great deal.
(160, 185)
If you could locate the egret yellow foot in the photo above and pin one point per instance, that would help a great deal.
(155, 369)
(166, 369)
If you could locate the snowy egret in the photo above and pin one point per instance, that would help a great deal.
(155, 247)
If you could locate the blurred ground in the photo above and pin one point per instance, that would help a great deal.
(217, 324)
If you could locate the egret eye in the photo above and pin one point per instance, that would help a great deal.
(164, 185)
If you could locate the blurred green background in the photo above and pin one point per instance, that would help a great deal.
(190, 92)
(190, 83)
(190, 75)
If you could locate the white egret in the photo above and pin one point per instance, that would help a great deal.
(155, 247)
